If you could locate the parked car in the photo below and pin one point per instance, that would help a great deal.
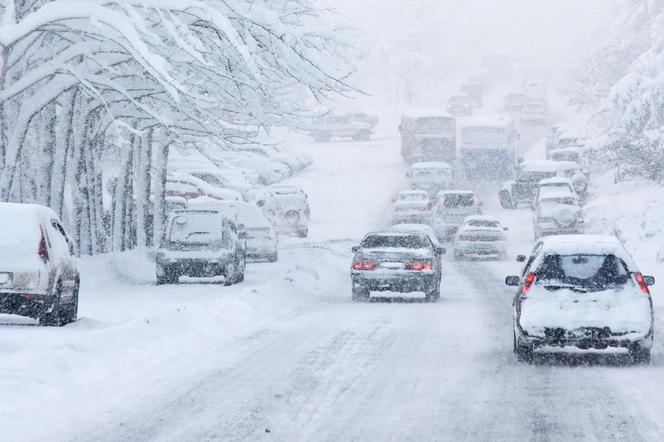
(189, 187)
(451, 210)
(267, 171)
(258, 232)
(217, 178)
(557, 213)
(38, 273)
(460, 105)
(399, 262)
(200, 242)
(515, 102)
(294, 161)
(480, 237)
(412, 206)
(431, 176)
(582, 291)
(356, 126)
(287, 207)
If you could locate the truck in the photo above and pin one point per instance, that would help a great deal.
(488, 147)
(430, 137)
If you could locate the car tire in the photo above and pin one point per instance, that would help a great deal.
(523, 354)
(506, 200)
(640, 355)
(71, 311)
(433, 295)
(360, 295)
(273, 258)
(169, 277)
(54, 318)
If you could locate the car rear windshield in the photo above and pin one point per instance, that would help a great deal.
(593, 272)
(433, 124)
(196, 228)
(483, 223)
(535, 176)
(454, 201)
(413, 197)
(395, 241)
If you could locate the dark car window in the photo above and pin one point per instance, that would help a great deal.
(453, 201)
(590, 271)
(396, 241)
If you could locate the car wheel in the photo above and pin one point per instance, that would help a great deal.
(273, 258)
(523, 353)
(54, 318)
(506, 200)
(640, 355)
(360, 295)
(433, 295)
(71, 310)
(168, 277)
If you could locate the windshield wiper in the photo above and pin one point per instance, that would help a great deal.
(561, 285)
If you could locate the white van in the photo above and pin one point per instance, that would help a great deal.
(38, 274)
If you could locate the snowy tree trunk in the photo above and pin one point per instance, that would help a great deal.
(47, 157)
(63, 139)
(143, 175)
(159, 192)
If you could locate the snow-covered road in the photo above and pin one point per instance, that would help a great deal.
(287, 356)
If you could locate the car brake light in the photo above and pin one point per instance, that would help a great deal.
(363, 265)
(527, 282)
(642, 283)
(420, 265)
(43, 249)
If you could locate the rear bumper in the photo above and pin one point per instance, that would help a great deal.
(594, 338)
(32, 305)
(402, 282)
(480, 248)
(197, 267)
(414, 218)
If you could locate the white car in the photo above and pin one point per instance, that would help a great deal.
(433, 176)
(451, 210)
(412, 206)
(258, 232)
(582, 292)
(480, 237)
(38, 273)
(218, 178)
(189, 187)
(555, 187)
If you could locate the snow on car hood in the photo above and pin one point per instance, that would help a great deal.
(565, 214)
(624, 310)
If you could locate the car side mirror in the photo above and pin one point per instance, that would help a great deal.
(521, 258)
(513, 281)
(355, 249)
(506, 229)
(649, 280)
(441, 250)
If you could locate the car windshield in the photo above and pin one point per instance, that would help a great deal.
(394, 241)
(592, 272)
(485, 135)
(196, 228)
(432, 124)
(457, 200)
(536, 176)
(482, 223)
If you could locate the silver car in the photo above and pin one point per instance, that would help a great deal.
(38, 273)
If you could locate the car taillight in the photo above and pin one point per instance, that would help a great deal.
(43, 249)
(364, 265)
(420, 265)
(527, 282)
(642, 283)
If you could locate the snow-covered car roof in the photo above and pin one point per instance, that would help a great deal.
(414, 192)
(555, 193)
(557, 180)
(431, 165)
(587, 245)
(548, 165)
(496, 120)
(481, 218)
(455, 192)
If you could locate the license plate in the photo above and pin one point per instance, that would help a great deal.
(392, 265)
(5, 278)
